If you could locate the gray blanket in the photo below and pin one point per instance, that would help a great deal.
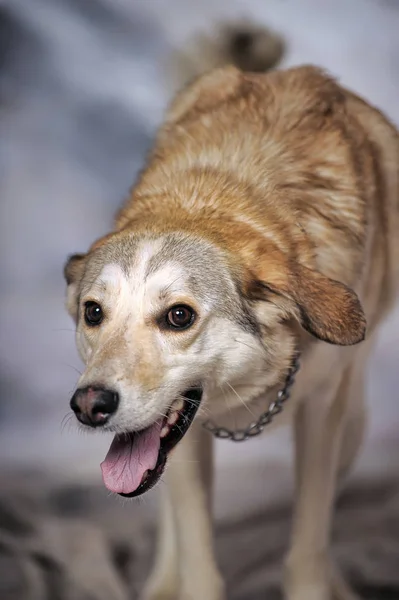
(67, 542)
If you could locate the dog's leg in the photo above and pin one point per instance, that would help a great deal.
(163, 583)
(189, 482)
(355, 425)
(319, 435)
(352, 438)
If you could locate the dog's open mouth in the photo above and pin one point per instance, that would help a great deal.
(135, 461)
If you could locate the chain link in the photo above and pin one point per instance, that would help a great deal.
(256, 427)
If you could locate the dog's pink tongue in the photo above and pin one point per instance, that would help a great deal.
(129, 457)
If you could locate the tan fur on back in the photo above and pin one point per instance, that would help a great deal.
(286, 160)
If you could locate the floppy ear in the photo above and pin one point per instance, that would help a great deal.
(326, 308)
(73, 273)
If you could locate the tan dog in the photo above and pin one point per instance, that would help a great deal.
(265, 224)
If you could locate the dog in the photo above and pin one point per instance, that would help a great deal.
(262, 232)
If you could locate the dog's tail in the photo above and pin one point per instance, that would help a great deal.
(243, 44)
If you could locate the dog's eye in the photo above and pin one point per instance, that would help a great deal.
(93, 314)
(180, 317)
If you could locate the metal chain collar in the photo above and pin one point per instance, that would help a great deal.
(256, 427)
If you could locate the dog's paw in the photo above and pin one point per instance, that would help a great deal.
(317, 578)
(153, 594)
(165, 589)
(307, 578)
(309, 592)
(211, 588)
(191, 594)
(202, 584)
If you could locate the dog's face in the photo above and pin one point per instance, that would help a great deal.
(163, 324)
(156, 317)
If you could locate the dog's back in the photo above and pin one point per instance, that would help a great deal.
(304, 160)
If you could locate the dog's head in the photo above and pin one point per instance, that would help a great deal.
(165, 322)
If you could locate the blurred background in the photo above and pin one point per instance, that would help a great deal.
(83, 86)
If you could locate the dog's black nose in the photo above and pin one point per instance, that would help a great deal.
(94, 405)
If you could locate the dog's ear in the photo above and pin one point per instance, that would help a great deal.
(326, 308)
(74, 267)
(73, 273)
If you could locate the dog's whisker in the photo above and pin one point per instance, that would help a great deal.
(67, 421)
(167, 287)
(193, 403)
(249, 345)
(74, 368)
(226, 401)
(241, 399)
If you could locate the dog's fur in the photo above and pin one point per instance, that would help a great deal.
(270, 204)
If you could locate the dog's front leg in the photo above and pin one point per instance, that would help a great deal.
(185, 568)
(319, 431)
(163, 583)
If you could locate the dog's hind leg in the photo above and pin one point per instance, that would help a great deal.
(319, 432)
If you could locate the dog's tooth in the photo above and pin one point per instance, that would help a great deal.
(173, 418)
(164, 431)
(178, 404)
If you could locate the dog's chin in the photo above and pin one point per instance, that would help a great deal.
(157, 440)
